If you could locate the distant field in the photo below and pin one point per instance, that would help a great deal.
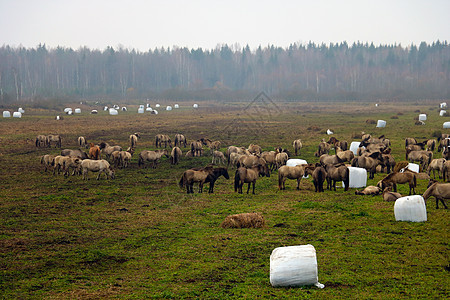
(141, 236)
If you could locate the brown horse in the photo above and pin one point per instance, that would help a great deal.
(244, 175)
(436, 164)
(202, 176)
(319, 175)
(370, 190)
(180, 140)
(151, 156)
(390, 196)
(441, 191)
(297, 144)
(196, 148)
(323, 148)
(399, 178)
(337, 173)
(287, 172)
(94, 152)
(175, 155)
(369, 163)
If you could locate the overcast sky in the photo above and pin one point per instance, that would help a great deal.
(146, 24)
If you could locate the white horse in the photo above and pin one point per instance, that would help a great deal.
(100, 166)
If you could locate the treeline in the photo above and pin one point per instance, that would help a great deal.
(299, 72)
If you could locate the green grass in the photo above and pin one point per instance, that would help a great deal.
(140, 236)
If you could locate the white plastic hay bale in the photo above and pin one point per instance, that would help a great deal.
(413, 167)
(105, 108)
(195, 105)
(113, 112)
(142, 106)
(70, 112)
(140, 110)
(168, 107)
(17, 114)
(58, 118)
(149, 109)
(176, 106)
(329, 132)
(124, 108)
(443, 105)
(94, 111)
(77, 110)
(294, 266)
(358, 177)
(157, 105)
(446, 125)
(422, 117)
(354, 147)
(376, 104)
(6, 114)
(116, 107)
(442, 113)
(410, 208)
(381, 123)
(67, 109)
(155, 112)
(148, 105)
(21, 110)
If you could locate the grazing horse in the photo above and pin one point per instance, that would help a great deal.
(326, 159)
(422, 156)
(218, 157)
(151, 156)
(324, 148)
(249, 161)
(108, 150)
(100, 166)
(41, 141)
(78, 153)
(81, 141)
(133, 139)
(162, 139)
(212, 145)
(337, 173)
(436, 164)
(431, 145)
(54, 139)
(281, 159)
(297, 144)
(269, 157)
(287, 172)
(175, 155)
(48, 161)
(399, 178)
(198, 175)
(319, 175)
(254, 149)
(180, 140)
(369, 163)
(244, 175)
(441, 191)
(344, 155)
(94, 152)
(237, 150)
(196, 148)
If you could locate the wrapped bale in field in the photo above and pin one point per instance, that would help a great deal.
(78, 110)
(442, 113)
(168, 107)
(294, 266)
(354, 147)
(245, 220)
(195, 105)
(422, 117)
(176, 106)
(113, 112)
(6, 114)
(358, 177)
(21, 110)
(410, 208)
(292, 162)
(140, 110)
(17, 114)
(446, 125)
(381, 123)
(443, 105)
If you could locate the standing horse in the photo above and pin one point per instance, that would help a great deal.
(337, 173)
(319, 175)
(190, 176)
(297, 144)
(151, 156)
(369, 163)
(244, 175)
(399, 178)
(54, 139)
(441, 191)
(287, 172)
(81, 141)
(175, 155)
(180, 140)
(94, 152)
(196, 148)
(133, 139)
(162, 139)
(41, 141)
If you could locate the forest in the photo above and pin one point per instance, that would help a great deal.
(340, 71)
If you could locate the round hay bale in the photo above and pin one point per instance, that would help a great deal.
(17, 114)
(6, 114)
(410, 208)
(245, 220)
(381, 124)
(446, 125)
(176, 106)
(195, 105)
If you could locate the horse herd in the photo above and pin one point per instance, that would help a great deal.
(373, 154)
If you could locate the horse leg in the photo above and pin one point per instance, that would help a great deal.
(298, 183)
(442, 201)
(253, 183)
(248, 189)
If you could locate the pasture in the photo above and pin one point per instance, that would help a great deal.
(141, 236)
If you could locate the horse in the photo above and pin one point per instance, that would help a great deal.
(281, 159)
(441, 191)
(180, 140)
(41, 141)
(122, 159)
(60, 162)
(389, 196)
(162, 138)
(436, 164)
(399, 178)
(152, 156)
(249, 161)
(218, 157)
(100, 166)
(78, 153)
(297, 145)
(47, 160)
(234, 149)
(323, 148)
(370, 190)
(369, 163)
(202, 176)
(389, 162)
(234, 159)
(108, 150)
(71, 162)
(94, 152)
(326, 159)
(196, 148)
(319, 175)
(344, 155)
(254, 149)
(287, 172)
(422, 156)
(269, 157)
(431, 145)
(175, 155)
(337, 173)
(244, 175)
(212, 145)
(81, 142)
(54, 139)
(410, 141)
(133, 139)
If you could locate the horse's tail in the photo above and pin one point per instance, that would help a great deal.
(175, 157)
(140, 160)
(414, 180)
(347, 179)
(237, 179)
(280, 179)
(182, 181)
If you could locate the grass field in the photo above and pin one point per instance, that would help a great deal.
(141, 236)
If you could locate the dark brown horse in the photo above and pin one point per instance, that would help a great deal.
(202, 176)
(337, 173)
(319, 175)
(94, 151)
(441, 191)
(244, 175)
(399, 178)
